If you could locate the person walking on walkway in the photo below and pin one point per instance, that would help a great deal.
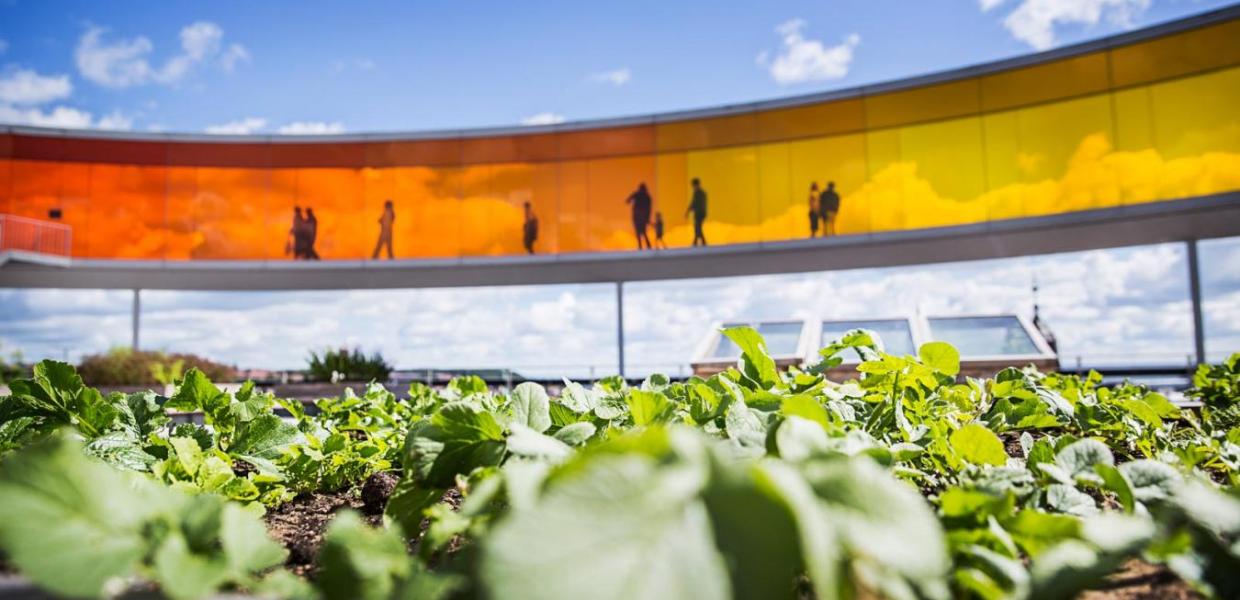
(829, 208)
(312, 234)
(813, 210)
(697, 206)
(641, 203)
(385, 230)
(529, 230)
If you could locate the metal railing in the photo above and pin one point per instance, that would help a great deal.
(33, 235)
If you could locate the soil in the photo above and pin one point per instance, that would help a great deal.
(299, 525)
(376, 491)
(1139, 580)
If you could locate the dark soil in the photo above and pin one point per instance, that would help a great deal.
(1139, 580)
(299, 525)
(376, 491)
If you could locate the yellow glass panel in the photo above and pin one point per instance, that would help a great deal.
(673, 185)
(126, 212)
(927, 103)
(1134, 120)
(840, 160)
(1066, 78)
(1175, 55)
(729, 177)
(940, 173)
(783, 212)
(1197, 114)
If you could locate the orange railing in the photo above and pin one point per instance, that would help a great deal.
(33, 235)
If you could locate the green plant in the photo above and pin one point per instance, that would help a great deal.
(124, 366)
(346, 365)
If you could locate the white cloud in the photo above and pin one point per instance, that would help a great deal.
(311, 128)
(25, 86)
(616, 77)
(987, 5)
(802, 60)
(1034, 21)
(124, 63)
(543, 118)
(239, 127)
(62, 117)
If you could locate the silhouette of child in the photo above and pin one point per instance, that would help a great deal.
(658, 230)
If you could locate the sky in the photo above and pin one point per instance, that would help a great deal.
(319, 67)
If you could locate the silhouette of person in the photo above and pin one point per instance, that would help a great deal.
(385, 230)
(641, 202)
(297, 236)
(828, 208)
(813, 210)
(530, 229)
(697, 206)
(658, 230)
(312, 232)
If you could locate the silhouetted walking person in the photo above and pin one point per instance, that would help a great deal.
(658, 230)
(296, 243)
(813, 210)
(697, 206)
(312, 232)
(529, 230)
(829, 208)
(641, 202)
(385, 230)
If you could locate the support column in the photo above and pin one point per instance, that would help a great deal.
(1194, 290)
(620, 324)
(137, 318)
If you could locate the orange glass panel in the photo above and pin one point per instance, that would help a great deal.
(6, 186)
(707, 133)
(426, 207)
(1175, 55)
(572, 229)
(431, 153)
(182, 238)
(332, 200)
(126, 212)
(229, 213)
(596, 143)
(826, 118)
(928, 103)
(672, 188)
(508, 148)
(493, 200)
(1055, 80)
(611, 181)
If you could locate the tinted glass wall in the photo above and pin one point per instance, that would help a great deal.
(1150, 121)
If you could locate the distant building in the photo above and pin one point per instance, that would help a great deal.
(987, 343)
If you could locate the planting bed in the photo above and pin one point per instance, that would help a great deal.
(908, 481)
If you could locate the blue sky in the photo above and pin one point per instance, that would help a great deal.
(370, 66)
(308, 67)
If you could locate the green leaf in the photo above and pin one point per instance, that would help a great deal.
(1143, 411)
(806, 407)
(575, 434)
(758, 365)
(264, 437)
(528, 443)
(1077, 459)
(1067, 499)
(609, 526)
(1151, 480)
(797, 439)
(184, 574)
(1036, 531)
(247, 547)
(940, 356)
(647, 408)
(70, 523)
(359, 561)
(978, 445)
(454, 441)
(531, 406)
(1114, 480)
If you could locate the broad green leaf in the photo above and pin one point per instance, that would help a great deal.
(71, 523)
(1143, 411)
(247, 547)
(940, 356)
(264, 437)
(1036, 531)
(1114, 480)
(746, 429)
(531, 406)
(528, 443)
(759, 367)
(797, 439)
(806, 407)
(647, 408)
(611, 526)
(575, 434)
(1077, 459)
(978, 445)
(359, 561)
(1067, 499)
(1151, 480)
